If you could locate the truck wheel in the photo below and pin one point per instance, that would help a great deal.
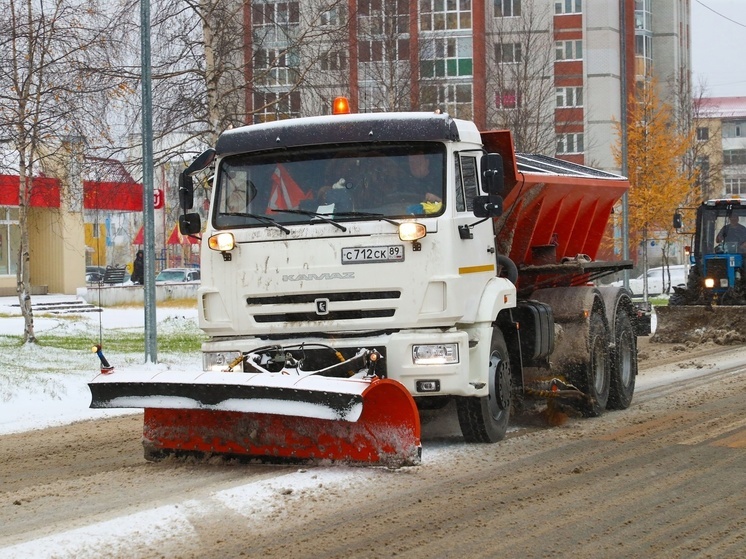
(623, 364)
(595, 381)
(485, 420)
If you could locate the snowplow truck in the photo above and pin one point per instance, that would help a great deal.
(360, 268)
(710, 307)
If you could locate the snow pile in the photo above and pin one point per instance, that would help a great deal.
(44, 386)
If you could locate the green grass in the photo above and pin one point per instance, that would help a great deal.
(120, 342)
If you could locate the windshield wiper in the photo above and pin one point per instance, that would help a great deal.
(379, 217)
(322, 217)
(262, 218)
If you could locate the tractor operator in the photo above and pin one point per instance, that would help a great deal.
(733, 232)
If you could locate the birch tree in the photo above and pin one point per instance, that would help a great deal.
(52, 91)
(521, 64)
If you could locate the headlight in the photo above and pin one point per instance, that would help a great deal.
(222, 242)
(219, 361)
(411, 231)
(435, 354)
(709, 283)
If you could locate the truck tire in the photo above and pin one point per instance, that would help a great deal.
(623, 364)
(485, 420)
(595, 380)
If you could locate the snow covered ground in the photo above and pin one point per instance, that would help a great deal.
(42, 386)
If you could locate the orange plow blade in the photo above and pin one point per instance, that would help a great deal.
(386, 433)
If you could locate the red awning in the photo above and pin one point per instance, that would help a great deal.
(45, 191)
(112, 196)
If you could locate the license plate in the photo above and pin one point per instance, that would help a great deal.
(365, 255)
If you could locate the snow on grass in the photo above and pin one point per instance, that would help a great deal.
(46, 384)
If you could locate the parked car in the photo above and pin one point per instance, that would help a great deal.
(94, 274)
(658, 279)
(177, 275)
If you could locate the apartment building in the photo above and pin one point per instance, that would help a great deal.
(721, 139)
(555, 72)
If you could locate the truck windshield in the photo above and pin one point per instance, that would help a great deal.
(723, 231)
(345, 183)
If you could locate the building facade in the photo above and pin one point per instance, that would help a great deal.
(721, 137)
(554, 72)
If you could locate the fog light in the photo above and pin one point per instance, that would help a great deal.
(724, 282)
(709, 283)
(435, 354)
(220, 360)
(428, 385)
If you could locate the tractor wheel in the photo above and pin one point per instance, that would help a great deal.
(595, 381)
(485, 420)
(623, 364)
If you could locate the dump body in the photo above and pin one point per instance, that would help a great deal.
(555, 213)
(380, 235)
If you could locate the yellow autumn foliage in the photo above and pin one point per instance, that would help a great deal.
(655, 155)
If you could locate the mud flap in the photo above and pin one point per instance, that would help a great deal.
(365, 421)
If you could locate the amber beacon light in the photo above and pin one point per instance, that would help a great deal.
(341, 106)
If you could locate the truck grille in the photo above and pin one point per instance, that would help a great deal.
(276, 308)
(311, 297)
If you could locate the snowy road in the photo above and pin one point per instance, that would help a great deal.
(665, 478)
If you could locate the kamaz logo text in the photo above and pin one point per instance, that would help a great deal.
(320, 277)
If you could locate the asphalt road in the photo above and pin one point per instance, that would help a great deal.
(665, 478)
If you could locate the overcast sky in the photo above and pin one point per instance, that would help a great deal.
(719, 47)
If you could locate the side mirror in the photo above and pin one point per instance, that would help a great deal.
(493, 175)
(202, 161)
(678, 222)
(190, 224)
(488, 206)
(186, 191)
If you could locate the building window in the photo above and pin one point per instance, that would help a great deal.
(568, 6)
(270, 105)
(334, 60)
(437, 15)
(454, 99)
(643, 15)
(507, 99)
(507, 8)
(569, 97)
(275, 13)
(569, 50)
(10, 240)
(446, 57)
(702, 165)
(643, 54)
(330, 17)
(734, 157)
(508, 53)
(735, 186)
(570, 143)
(276, 67)
(703, 133)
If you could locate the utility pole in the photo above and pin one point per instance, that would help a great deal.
(151, 344)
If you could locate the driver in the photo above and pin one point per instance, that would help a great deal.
(733, 232)
(420, 182)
